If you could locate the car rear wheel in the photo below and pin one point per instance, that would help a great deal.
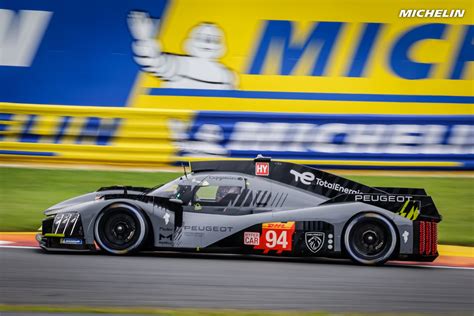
(120, 229)
(370, 239)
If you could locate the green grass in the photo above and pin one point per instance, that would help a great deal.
(171, 311)
(25, 193)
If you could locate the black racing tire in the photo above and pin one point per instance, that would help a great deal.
(370, 239)
(121, 229)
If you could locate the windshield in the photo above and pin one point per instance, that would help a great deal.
(166, 189)
(203, 188)
(172, 190)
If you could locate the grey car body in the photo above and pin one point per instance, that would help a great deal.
(251, 206)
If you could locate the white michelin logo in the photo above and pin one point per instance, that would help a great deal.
(405, 236)
(166, 217)
(200, 69)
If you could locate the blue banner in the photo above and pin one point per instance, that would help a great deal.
(332, 140)
(69, 52)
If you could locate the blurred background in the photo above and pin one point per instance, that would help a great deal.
(150, 84)
(94, 93)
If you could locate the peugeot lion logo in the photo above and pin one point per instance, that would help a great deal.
(314, 241)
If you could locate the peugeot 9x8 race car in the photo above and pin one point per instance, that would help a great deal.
(251, 206)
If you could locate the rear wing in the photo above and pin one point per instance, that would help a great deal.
(405, 203)
(412, 203)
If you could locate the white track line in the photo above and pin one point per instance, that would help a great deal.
(19, 247)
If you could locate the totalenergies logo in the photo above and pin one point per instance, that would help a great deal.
(277, 40)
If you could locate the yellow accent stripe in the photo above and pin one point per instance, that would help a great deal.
(413, 214)
(53, 235)
(401, 212)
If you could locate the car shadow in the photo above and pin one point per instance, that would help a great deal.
(236, 257)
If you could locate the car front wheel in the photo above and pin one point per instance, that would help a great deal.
(120, 229)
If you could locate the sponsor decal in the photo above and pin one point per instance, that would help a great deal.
(251, 238)
(222, 178)
(276, 236)
(314, 241)
(382, 198)
(405, 236)
(278, 225)
(305, 177)
(199, 228)
(168, 237)
(262, 168)
(71, 241)
(335, 186)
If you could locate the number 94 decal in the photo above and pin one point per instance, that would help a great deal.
(276, 236)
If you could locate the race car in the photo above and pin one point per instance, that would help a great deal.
(255, 206)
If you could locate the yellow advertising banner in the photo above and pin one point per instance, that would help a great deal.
(339, 57)
(82, 135)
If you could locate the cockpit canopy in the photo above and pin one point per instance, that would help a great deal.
(203, 188)
(234, 190)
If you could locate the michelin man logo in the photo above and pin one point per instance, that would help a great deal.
(166, 217)
(200, 69)
(405, 236)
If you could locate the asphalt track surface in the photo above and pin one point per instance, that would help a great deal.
(29, 276)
